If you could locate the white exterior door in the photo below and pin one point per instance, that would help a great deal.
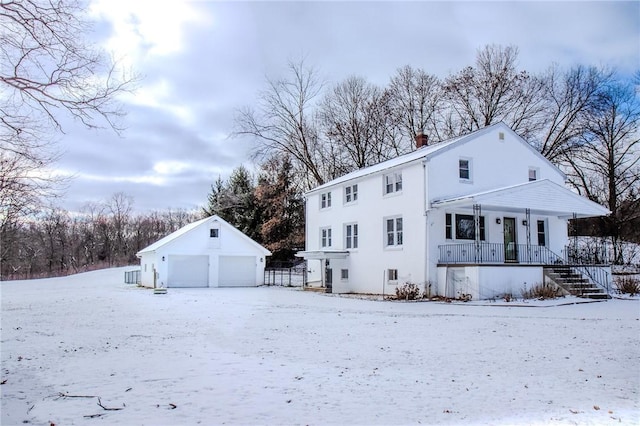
(237, 271)
(188, 271)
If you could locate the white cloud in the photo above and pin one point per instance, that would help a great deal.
(145, 27)
(170, 167)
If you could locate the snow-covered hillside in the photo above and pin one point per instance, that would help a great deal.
(284, 356)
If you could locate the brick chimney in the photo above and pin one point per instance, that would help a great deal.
(421, 140)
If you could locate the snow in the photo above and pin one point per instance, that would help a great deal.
(274, 355)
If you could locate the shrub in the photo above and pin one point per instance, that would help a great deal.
(465, 297)
(541, 291)
(408, 291)
(627, 285)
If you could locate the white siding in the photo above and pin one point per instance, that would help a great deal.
(495, 163)
(198, 242)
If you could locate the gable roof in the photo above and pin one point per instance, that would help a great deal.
(428, 152)
(540, 196)
(194, 225)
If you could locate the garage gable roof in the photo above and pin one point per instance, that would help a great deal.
(192, 226)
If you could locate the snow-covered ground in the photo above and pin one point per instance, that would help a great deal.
(283, 356)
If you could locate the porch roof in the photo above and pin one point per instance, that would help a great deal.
(322, 254)
(541, 197)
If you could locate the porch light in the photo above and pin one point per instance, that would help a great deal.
(524, 222)
(163, 258)
(498, 221)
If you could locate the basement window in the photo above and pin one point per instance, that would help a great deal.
(344, 274)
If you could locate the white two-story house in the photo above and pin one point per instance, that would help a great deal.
(480, 215)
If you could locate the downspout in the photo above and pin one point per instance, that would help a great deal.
(425, 205)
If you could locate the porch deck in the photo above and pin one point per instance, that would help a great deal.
(496, 253)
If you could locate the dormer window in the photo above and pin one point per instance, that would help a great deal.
(325, 200)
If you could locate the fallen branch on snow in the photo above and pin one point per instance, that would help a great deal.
(108, 408)
(66, 395)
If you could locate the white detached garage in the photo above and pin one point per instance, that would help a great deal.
(207, 253)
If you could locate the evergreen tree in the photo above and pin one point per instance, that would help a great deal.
(282, 209)
(235, 202)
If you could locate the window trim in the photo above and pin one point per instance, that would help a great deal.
(448, 226)
(397, 236)
(392, 183)
(353, 194)
(454, 230)
(469, 169)
(544, 232)
(325, 200)
(351, 237)
(326, 237)
(344, 274)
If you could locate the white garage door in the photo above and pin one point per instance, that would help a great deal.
(188, 271)
(237, 271)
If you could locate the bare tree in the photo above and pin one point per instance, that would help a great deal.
(569, 99)
(120, 206)
(47, 72)
(416, 100)
(284, 121)
(353, 119)
(492, 91)
(606, 167)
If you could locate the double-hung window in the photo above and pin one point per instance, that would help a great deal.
(393, 231)
(351, 194)
(392, 182)
(464, 169)
(325, 200)
(542, 233)
(325, 237)
(351, 236)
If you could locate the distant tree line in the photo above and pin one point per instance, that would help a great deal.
(584, 119)
(56, 242)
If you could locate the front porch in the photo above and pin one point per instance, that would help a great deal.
(476, 268)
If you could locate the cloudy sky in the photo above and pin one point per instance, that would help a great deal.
(202, 60)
